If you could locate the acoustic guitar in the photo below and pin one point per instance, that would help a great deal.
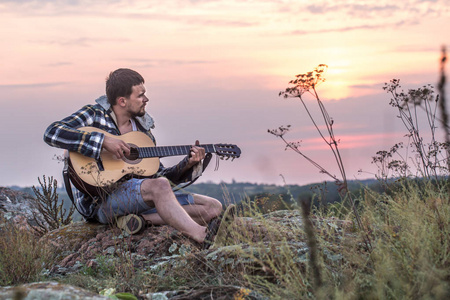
(93, 176)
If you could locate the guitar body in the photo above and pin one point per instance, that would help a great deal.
(87, 175)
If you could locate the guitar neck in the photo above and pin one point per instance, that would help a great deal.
(163, 151)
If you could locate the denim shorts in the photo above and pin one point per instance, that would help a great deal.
(127, 199)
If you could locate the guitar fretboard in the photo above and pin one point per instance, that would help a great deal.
(163, 151)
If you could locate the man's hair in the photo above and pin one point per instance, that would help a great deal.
(120, 83)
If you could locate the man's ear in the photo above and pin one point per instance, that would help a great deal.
(121, 101)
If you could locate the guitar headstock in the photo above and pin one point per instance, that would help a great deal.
(227, 151)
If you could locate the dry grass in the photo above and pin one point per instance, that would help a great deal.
(22, 257)
(410, 259)
(411, 230)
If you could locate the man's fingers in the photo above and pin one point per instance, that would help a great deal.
(197, 152)
(126, 151)
(125, 146)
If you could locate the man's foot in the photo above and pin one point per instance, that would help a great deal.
(131, 223)
(216, 234)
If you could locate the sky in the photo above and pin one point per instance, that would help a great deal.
(213, 71)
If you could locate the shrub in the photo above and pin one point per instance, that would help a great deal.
(53, 215)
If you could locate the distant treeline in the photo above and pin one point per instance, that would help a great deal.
(270, 194)
(235, 192)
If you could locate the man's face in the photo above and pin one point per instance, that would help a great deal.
(137, 101)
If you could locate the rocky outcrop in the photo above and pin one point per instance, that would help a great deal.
(17, 207)
(48, 291)
(82, 244)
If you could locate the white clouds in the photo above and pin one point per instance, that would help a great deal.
(377, 8)
(325, 16)
(163, 63)
(355, 27)
(316, 16)
(11, 87)
(80, 41)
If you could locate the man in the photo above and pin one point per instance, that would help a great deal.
(135, 201)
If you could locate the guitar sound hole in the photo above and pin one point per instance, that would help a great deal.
(134, 154)
(133, 158)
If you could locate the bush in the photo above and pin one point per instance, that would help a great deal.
(53, 214)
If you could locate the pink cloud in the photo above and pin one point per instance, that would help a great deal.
(348, 141)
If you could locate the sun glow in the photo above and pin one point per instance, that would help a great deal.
(334, 90)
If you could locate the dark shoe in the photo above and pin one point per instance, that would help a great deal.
(131, 223)
(211, 232)
(216, 233)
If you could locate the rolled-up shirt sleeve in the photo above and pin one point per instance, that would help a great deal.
(175, 174)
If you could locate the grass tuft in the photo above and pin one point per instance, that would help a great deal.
(22, 256)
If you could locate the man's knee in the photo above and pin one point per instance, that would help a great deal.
(152, 189)
(213, 206)
(216, 206)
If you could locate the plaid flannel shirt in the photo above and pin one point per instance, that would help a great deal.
(64, 134)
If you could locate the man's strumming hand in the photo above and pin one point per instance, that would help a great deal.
(117, 147)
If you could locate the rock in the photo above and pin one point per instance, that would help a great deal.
(83, 243)
(162, 247)
(206, 293)
(17, 207)
(49, 291)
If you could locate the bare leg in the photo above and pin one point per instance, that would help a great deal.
(202, 211)
(158, 192)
